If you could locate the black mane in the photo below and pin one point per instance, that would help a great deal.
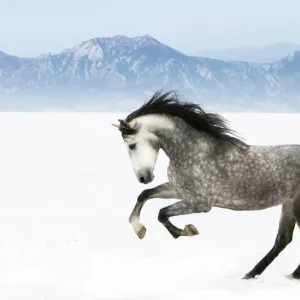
(169, 104)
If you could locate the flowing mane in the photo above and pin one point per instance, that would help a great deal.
(170, 104)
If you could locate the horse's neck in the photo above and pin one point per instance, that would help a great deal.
(181, 138)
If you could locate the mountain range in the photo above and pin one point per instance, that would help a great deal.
(265, 54)
(120, 66)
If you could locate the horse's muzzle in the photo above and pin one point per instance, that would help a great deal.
(145, 177)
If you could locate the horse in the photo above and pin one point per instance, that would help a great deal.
(209, 166)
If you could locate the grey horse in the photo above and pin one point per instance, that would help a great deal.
(210, 166)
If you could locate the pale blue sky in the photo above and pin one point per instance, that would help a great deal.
(30, 27)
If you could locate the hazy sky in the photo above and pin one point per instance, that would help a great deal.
(30, 27)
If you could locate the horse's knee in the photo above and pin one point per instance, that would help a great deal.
(162, 216)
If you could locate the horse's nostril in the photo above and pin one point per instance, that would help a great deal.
(142, 179)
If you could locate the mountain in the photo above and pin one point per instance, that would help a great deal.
(133, 68)
(268, 54)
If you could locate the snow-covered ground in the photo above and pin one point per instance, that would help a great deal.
(67, 189)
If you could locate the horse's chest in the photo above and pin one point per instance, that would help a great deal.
(184, 178)
(177, 177)
(172, 175)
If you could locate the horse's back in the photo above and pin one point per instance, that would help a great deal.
(261, 177)
(271, 173)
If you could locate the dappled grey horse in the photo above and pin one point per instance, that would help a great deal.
(209, 166)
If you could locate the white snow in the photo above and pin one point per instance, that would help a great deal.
(293, 55)
(91, 49)
(67, 190)
(204, 72)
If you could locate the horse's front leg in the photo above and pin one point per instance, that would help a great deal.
(181, 208)
(165, 191)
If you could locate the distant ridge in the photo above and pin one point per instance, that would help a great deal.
(137, 66)
(267, 54)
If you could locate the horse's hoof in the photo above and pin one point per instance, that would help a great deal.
(249, 276)
(294, 277)
(141, 232)
(190, 230)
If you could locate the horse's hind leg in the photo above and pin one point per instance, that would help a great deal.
(296, 211)
(296, 273)
(284, 237)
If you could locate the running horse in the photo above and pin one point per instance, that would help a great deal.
(209, 166)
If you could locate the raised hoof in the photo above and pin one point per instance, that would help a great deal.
(294, 277)
(249, 276)
(141, 231)
(189, 230)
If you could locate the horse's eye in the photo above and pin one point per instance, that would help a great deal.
(132, 146)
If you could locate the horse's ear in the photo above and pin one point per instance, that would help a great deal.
(118, 126)
(124, 124)
(125, 127)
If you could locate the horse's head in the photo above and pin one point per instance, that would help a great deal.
(142, 146)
